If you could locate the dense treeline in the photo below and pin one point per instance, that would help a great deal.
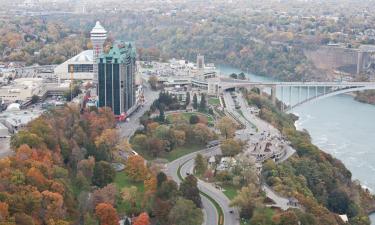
(320, 182)
(62, 173)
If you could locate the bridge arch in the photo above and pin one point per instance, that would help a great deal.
(330, 89)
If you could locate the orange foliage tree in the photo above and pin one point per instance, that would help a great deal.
(3, 211)
(136, 168)
(142, 219)
(107, 214)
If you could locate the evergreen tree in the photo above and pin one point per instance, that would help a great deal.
(161, 113)
(189, 190)
(203, 105)
(195, 101)
(200, 164)
(187, 98)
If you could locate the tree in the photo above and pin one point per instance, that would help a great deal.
(86, 166)
(135, 168)
(233, 75)
(150, 184)
(140, 141)
(130, 194)
(161, 113)
(153, 81)
(201, 133)
(230, 147)
(194, 119)
(262, 216)
(195, 101)
(227, 127)
(107, 214)
(189, 190)
(203, 103)
(142, 219)
(23, 219)
(289, 218)
(168, 190)
(53, 203)
(241, 76)
(161, 178)
(200, 164)
(35, 99)
(338, 202)
(103, 174)
(187, 102)
(3, 211)
(177, 137)
(184, 212)
(247, 200)
(106, 194)
(156, 146)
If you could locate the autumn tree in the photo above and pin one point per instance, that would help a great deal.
(202, 134)
(135, 168)
(184, 212)
(106, 214)
(53, 203)
(142, 219)
(103, 174)
(150, 184)
(106, 194)
(247, 200)
(231, 147)
(227, 127)
(153, 81)
(3, 211)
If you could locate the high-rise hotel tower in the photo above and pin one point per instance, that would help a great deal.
(98, 35)
(116, 86)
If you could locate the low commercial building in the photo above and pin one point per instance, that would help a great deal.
(21, 89)
(15, 119)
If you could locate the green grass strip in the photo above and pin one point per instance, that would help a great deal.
(217, 206)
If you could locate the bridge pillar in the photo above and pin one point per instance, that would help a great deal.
(273, 94)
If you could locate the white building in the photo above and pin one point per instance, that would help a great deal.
(15, 119)
(80, 67)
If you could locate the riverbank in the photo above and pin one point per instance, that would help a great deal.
(338, 125)
(366, 97)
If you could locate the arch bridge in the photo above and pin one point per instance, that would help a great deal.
(294, 94)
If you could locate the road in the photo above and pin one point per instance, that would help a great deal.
(128, 128)
(187, 165)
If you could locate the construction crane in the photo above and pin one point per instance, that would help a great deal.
(71, 81)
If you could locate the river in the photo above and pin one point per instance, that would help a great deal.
(340, 126)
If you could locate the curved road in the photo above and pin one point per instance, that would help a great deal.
(187, 164)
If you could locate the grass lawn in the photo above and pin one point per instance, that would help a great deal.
(121, 181)
(245, 222)
(183, 150)
(214, 101)
(187, 116)
(230, 192)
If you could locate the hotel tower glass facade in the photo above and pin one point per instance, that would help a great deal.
(116, 78)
